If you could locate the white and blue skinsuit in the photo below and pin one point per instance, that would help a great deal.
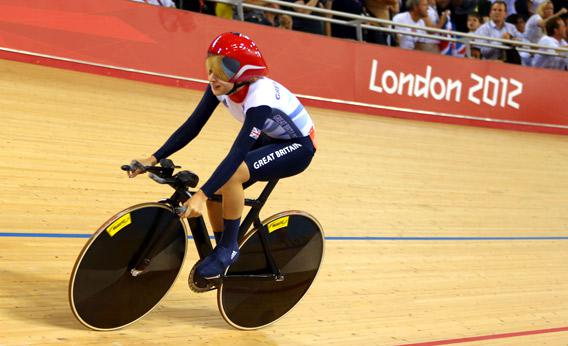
(277, 138)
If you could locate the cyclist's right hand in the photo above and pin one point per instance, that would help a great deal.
(150, 161)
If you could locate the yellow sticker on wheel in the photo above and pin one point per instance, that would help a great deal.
(119, 224)
(278, 224)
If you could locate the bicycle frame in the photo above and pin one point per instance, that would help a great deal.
(200, 233)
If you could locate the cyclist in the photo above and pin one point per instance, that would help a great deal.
(277, 140)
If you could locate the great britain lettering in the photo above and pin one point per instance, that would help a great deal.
(275, 155)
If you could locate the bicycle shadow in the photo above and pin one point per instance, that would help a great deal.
(204, 317)
(37, 298)
(211, 320)
(41, 299)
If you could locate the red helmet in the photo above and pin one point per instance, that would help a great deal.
(235, 58)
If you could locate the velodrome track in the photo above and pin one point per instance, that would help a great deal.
(437, 234)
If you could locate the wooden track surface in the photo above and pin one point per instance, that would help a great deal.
(65, 134)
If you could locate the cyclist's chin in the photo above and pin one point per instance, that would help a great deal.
(219, 89)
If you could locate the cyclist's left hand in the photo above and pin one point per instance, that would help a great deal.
(195, 205)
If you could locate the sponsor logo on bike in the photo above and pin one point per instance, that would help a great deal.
(278, 224)
(119, 224)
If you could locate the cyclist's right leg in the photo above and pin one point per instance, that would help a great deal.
(226, 252)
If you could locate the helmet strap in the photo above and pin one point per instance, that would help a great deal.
(238, 94)
(235, 87)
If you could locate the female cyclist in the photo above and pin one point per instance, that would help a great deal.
(277, 140)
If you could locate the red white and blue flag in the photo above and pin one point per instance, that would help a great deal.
(451, 48)
(255, 133)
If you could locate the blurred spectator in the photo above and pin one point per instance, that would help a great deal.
(518, 21)
(417, 10)
(510, 4)
(273, 19)
(348, 6)
(270, 18)
(433, 20)
(164, 3)
(534, 4)
(286, 22)
(484, 7)
(497, 28)
(224, 10)
(473, 22)
(475, 53)
(461, 11)
(253, 15)
(395, 9)
(327, 25)
(206, 7)
(536, 23)
(313, 26)
(560, 4)
(443, 5)
(554, 38)
(380, 9)
(523, 8)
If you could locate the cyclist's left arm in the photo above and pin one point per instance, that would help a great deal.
(249, 133)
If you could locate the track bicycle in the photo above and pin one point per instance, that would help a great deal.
(131, 262)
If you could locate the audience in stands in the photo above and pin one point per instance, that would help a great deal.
(433, 20)
(461, 10)
(509, 4)
(497, 28)
(554, 38)
(224, 10)
(164, 3)
(519, 22)
(536, 23)
(481, 17)
(381, 9)
(313, 26)
(347, 6)
(473, 22)
(286, 22)
(326, 25)
(483, 8)
(253, 15)
(270, 18)
(417, 11)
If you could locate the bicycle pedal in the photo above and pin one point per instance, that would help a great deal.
(198, 284)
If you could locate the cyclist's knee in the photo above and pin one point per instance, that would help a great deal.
(240, 176)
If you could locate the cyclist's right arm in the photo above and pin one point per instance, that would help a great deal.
(186, 132)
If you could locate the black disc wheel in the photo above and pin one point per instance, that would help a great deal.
(250, 296)
(127, 266)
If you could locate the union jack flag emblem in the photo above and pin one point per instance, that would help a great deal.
(255, 133)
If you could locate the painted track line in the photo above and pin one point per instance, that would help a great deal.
(352, 238)
(489, 337)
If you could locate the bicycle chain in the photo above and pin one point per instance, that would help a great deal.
(192, 286)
